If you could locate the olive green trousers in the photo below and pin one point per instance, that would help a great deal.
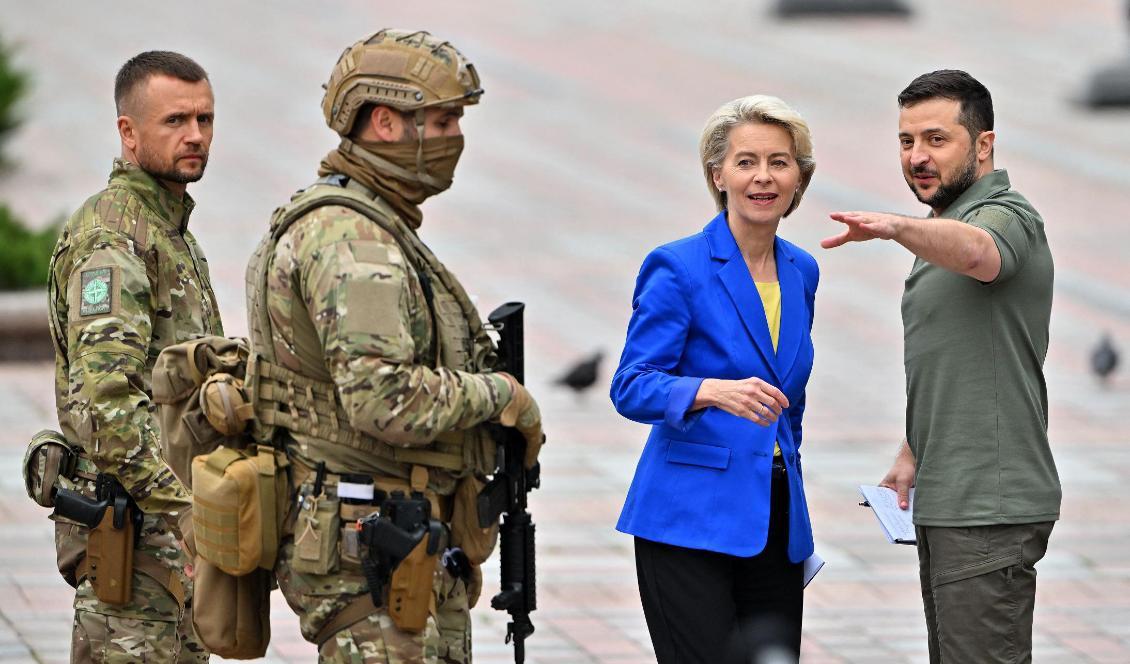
(979, 590)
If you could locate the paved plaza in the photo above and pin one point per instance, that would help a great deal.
(581, 158)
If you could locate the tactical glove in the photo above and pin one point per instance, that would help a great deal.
(522, 413)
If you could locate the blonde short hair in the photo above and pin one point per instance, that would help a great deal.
(762, 109)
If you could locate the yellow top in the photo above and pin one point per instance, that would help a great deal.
(770, 292)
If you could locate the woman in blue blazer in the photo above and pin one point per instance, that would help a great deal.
(717, 356)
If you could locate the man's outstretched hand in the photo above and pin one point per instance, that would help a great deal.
(863, 226)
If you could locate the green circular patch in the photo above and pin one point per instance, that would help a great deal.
(95, 292)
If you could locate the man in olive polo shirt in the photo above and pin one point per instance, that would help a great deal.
(976, 310)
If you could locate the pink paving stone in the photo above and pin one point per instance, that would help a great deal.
(296, 651)
(1063, 624)
(612, 647)
(1097, 646)
(628, 659)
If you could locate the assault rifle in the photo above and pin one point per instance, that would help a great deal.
(506, 493)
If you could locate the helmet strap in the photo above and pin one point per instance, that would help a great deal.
(421, 170)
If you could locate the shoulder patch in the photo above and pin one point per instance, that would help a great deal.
(993, 217)
(369, 251)
(372, 307)
(97, 291)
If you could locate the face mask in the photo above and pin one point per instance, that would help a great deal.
(440, 156)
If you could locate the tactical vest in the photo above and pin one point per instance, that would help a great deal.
(285, 399)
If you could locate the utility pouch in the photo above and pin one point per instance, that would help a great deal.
(237, 621)
(238, 507)
(48, 458)
(476, 542)
(316, 534)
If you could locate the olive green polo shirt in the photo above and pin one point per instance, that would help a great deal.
(977, 404)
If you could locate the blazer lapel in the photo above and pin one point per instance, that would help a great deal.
(794, 318)
(738, 283)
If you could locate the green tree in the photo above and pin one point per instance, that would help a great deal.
(13, 86)
(24, 254)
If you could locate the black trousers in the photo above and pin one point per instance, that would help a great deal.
(713, 608)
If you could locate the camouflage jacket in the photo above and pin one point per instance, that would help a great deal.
(347, 307)
(127, 279)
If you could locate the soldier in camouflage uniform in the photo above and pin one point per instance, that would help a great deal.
(369, 356)
(128, 279)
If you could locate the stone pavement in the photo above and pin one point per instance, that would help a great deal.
(581, 158)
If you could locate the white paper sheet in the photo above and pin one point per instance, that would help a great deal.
(896, 523)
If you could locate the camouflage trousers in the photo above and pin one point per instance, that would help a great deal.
(316, 598)
(152, 627)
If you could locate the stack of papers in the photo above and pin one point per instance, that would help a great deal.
(896, 522)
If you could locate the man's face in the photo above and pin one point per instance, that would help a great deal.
(437, 122)
(939, 157)
(172, 128)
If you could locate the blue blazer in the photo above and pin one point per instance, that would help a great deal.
(703, 480)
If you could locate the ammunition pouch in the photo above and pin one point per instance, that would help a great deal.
(317, 529)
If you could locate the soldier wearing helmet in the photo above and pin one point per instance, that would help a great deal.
(371, 366)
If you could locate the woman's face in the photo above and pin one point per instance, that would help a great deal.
(759, 174)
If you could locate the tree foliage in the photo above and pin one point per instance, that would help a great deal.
(24, 254)
(13, 86)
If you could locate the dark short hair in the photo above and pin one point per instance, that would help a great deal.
(976, 113)
(137, 70)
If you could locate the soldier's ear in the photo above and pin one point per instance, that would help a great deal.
(127, 131)
(386, 123)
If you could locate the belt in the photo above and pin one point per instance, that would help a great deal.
(441, 504)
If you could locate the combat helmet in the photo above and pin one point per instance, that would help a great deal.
(401, 69)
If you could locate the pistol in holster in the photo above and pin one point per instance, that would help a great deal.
(400, 549)
(115, 527)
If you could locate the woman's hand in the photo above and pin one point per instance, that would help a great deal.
(750, 398)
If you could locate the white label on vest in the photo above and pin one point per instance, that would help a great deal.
(358, 491)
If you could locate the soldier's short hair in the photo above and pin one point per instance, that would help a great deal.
(976, 113)
(137, 70)
(755, 109)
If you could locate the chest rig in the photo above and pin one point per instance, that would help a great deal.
(288, 400)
